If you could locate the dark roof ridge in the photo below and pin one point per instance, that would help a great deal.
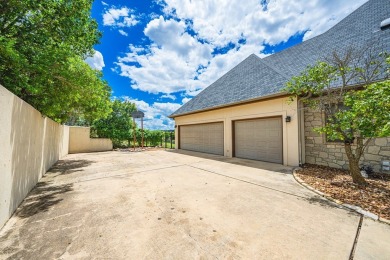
(272, 68)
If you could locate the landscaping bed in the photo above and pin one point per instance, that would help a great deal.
(337, 183)
(139, 149)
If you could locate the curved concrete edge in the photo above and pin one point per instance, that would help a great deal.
(345, 205)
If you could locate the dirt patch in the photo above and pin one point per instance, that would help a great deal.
(338, 184)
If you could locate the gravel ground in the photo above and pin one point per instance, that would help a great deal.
(338, 184)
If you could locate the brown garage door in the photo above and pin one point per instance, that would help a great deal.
(259, 139)
(205, 138)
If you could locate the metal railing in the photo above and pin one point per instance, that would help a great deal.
(167, 140)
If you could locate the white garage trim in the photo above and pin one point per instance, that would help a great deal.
(205, 138)
(259, 139)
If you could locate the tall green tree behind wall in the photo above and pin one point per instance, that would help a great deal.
(118, 125)
(43, 45)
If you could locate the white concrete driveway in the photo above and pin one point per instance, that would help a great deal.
(182, 205)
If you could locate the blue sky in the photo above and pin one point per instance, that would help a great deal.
(160, 53)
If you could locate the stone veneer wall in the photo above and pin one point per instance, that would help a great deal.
(318, 151)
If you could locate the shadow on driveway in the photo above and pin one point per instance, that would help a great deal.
(41, 198)
(69, 166)
(45, 195)
(238, 161)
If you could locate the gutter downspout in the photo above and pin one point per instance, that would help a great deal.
(301, 133)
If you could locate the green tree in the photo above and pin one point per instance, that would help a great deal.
(154, 137)
(83, 94)
(365, 113)
(43, 45)
(118, 125)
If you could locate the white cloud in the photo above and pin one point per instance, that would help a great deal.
(178, 60)
(104, 3)
(170, 64)
(123, 32)
(168, 70)
(119, 17)
(221, 22)
(185, 100)
(156, 114)
(329, 18)
(168, 96)
(96, 61)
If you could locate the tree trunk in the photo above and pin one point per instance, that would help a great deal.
(354, 166)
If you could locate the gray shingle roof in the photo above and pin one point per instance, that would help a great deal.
(255, 78)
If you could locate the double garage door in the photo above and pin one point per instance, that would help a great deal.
(256, 139)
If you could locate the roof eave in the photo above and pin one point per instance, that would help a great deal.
(262, 98)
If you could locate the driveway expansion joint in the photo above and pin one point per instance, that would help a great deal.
(355, 208)
(359, 228)
(252, 183)
(125, 174)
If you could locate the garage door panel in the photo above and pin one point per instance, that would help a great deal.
(273, 134)
(206, 138)
(259, 139)
(275, 145)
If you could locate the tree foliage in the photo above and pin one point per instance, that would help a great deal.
(43, 45)
(365, 112)
(118, 125)
(153, 137)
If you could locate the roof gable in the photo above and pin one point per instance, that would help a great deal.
(252, 77)
(256, 78)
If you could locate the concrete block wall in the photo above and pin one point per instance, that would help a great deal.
(29, 145)
(332, 154)
(80, 141)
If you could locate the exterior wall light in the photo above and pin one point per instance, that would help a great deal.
(385, 165)
(288, 119)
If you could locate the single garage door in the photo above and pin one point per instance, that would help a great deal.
(205, 138)
(259, 139)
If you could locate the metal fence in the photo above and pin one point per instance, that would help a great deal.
(167, 140)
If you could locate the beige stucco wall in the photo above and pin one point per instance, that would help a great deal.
(268, 108)
(29, 145)
(80, 141)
